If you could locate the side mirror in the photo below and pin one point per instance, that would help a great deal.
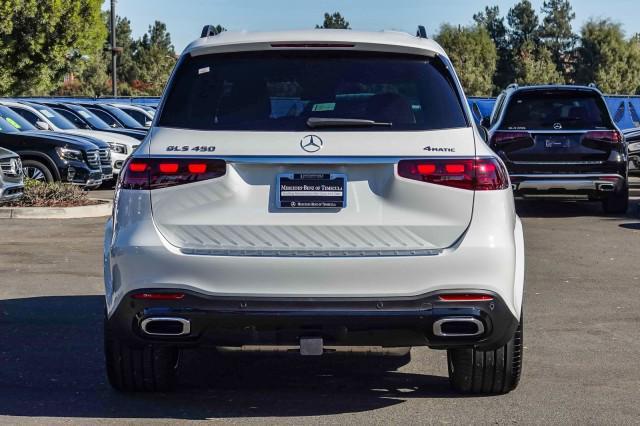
(42, 125)
(486, 122)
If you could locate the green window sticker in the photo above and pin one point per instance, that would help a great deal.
(13, 122)
(328, 106)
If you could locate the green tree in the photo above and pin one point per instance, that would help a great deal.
(536, 66)
(42, 40)
(523, 21)
(155, 57)
(491, 20)
(607, 59)
(334, 21)
(473, 54)
(126, 63)
(557, 35)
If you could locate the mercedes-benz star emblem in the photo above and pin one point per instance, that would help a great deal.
(311, 143)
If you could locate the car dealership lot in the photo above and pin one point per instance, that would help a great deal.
(582, 340)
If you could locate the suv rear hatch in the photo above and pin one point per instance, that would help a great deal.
(285, 123)
(554, 130)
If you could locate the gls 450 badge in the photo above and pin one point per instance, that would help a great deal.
(197, 148)
(438, 149)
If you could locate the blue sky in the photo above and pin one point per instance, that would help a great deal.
(185, 18)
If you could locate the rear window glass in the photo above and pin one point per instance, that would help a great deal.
(281, 90)
(556, 111)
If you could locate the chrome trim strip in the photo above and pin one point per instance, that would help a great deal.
(437, 326)
(315, 159)
(310, 253)
(551, 176)
(557, 163)
(548, 132)
(186, 325)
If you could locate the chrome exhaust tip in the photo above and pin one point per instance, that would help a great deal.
(169, 326)
(606, 187)
(458, 327)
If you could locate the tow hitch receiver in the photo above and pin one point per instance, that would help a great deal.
(312, 346)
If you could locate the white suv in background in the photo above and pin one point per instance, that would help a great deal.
(45, 118)
(316, 189)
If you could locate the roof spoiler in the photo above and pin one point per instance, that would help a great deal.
(208, 31)
(422, 32)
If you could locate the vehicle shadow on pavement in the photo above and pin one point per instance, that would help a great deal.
(549, 208)
(51, 365)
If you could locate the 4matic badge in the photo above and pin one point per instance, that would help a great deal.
(438, 149)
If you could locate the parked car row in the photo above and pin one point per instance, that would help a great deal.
(79, 142)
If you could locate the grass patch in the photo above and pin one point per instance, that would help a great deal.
(57, 194)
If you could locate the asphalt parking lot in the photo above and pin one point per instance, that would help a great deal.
(582, 340)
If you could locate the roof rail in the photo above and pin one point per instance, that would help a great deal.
(209, 30)
(512, 86)
(422, 32)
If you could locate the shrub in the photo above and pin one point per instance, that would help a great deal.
(57, 194)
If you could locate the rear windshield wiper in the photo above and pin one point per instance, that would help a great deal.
(314, 122)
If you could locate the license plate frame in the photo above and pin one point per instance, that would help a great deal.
(557, 142)
(325, 191)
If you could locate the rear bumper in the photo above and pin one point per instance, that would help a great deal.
(490, 257)
(586, 184)
(386, 322)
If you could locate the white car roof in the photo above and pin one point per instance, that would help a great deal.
(381, 41)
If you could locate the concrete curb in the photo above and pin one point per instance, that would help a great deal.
(97, 210)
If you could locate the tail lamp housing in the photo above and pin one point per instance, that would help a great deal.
(476, 174)
(156, 173)
(608, 136)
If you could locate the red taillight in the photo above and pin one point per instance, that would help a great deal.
(426, 169)
(155, 173)
(158, 296)
(609, 136)
(168, 167)
(454, 168)
(465, 297)
(479, 174)
(508, 137)
(197, 168)
(137, 167)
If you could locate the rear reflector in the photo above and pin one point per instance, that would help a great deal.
(478, 174)
(155, 173)
(465, 297)
(158, 296)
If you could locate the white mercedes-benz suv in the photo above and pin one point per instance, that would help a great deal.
(316, 189)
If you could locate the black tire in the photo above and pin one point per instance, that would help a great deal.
(474, 371)
(617, 202)
(146, 368)
(36, 170)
